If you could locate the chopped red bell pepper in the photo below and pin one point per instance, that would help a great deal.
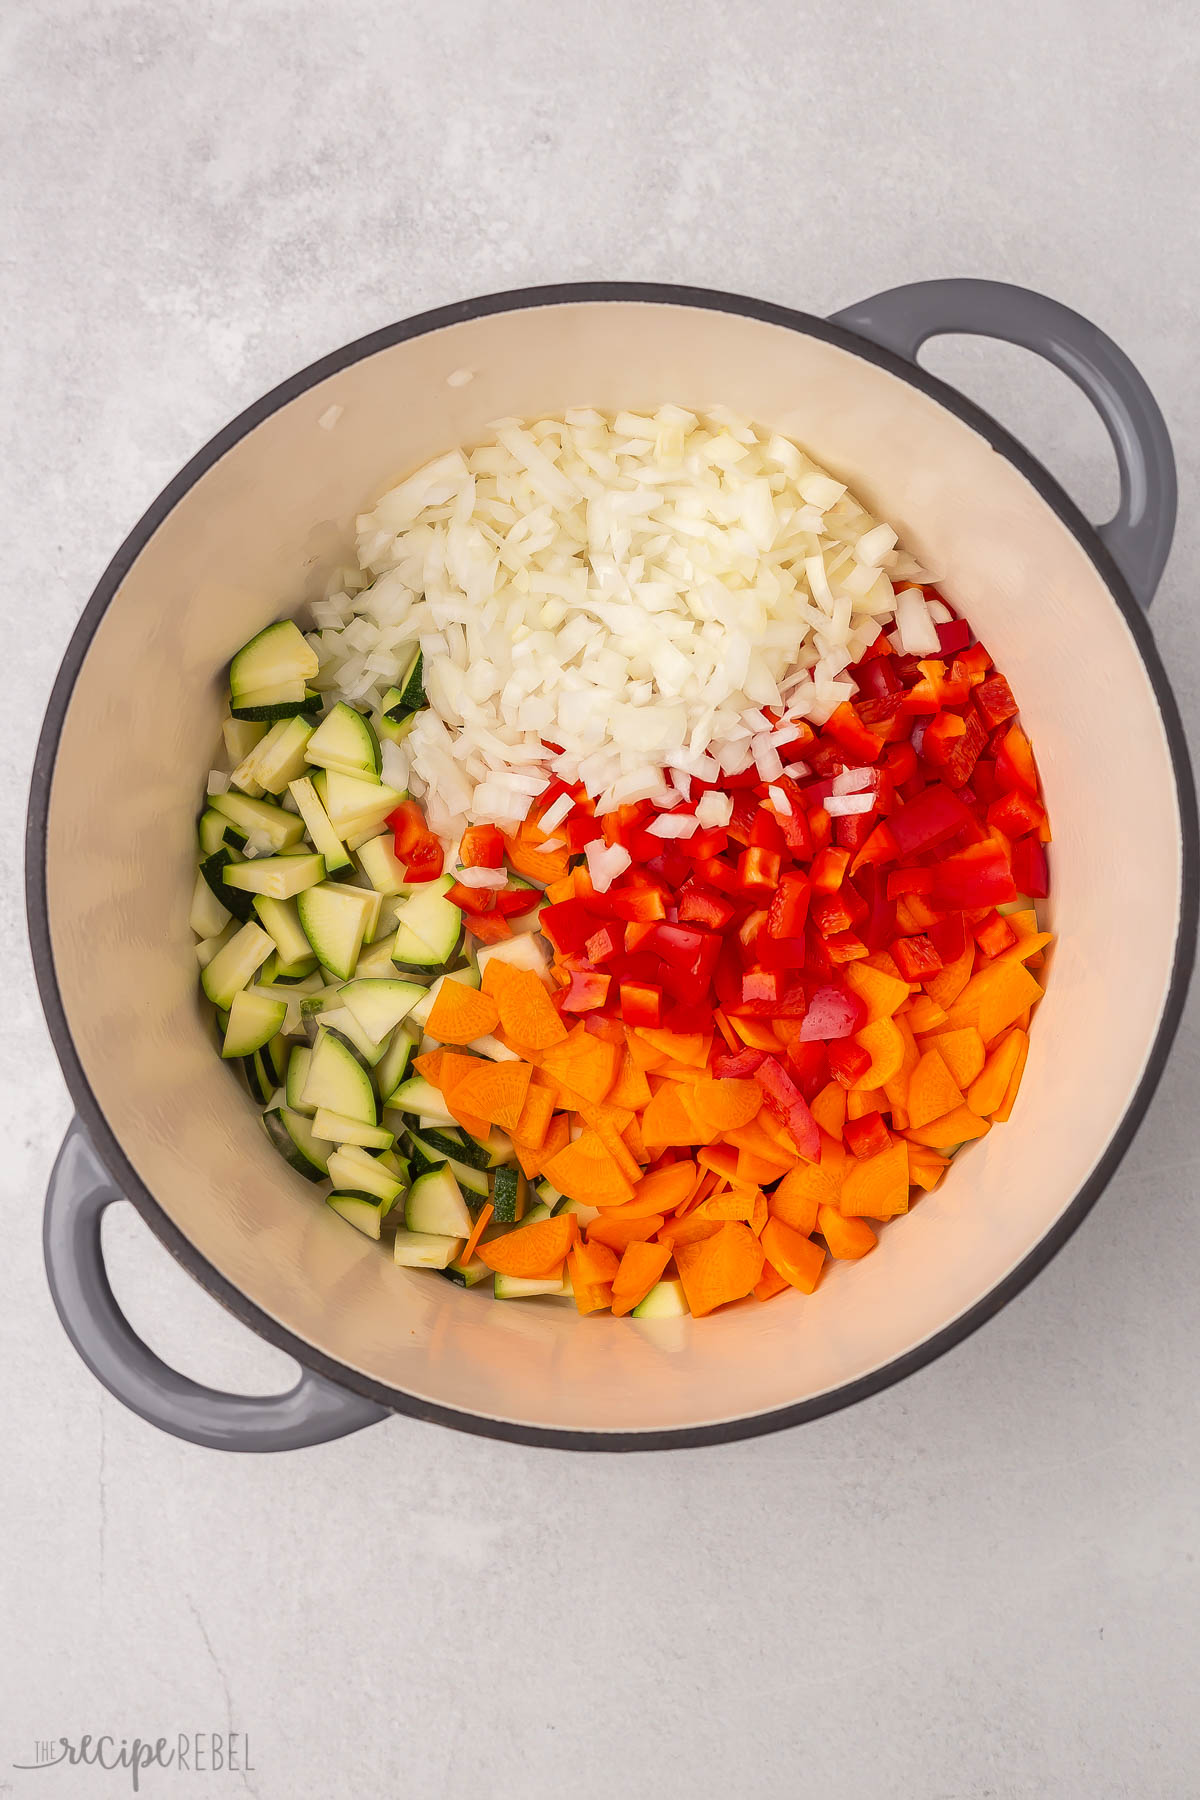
(765, 832)
(953, 745)
(762, 987)
(604, 944)
(810, 1066)
(738, 1066)
(933, 816)
(482, 847)
(1030, 870)
(704, 906)
(994, 934)
(1015, 766)
(717, 874)
(880, 847)
(781, 953)
(867, 1136)
(848, 731)
(789, 1106)
(424, 860)
(837, 912)
(759, 870)
(848, 1061)
(511, 902)
(844, 947)
(488, 928)
(949, 936)
(677, 943)
(909, 881)
(645, 902)
(978, 876)
(828, 869)
(995, 701)
(587, 992)
(876, 675)
(953, 636)
(820, 828)
(472, 899)
(788, 910)
(408, 826)
(641, 1004)
(900, 761)
(833, 1012)
(568, 924)
(704, 843)
(915, 957)
(975, 664)
(1015, 814)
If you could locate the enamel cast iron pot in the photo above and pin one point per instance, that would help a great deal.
(252, 527)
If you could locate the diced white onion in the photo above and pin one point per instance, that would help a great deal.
(481, 878)
(218, 782)
(556, 812)
(767, 759)
(714, 810)
(853, 781)
(918, 634)
(673, 825)
(941, 615)
(605, 862)
(845, 806)
(552, 843)
(779, 800)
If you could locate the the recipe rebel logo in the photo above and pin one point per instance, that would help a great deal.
(187, 1752)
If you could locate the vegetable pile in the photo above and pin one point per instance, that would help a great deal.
(653, 1054)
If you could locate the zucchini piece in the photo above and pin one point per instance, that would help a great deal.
(207, 948)
(317, 825)
(583, 1212)
(354, 804)
(259, 1078)
(524, 1287)
(536, 1213)
(244, 778)
(382, 868)
(340, 1018)
(280, 758)
(428, 926)
(276, 1051)
(335, 1128)
(456, 1143)
(393, 1067)
(295, 1142)
(345, 741)
(423, 1250)
(301, 977)
(213, 870)
(233, 967)
(510, 1193)
(279, 828)
(209, 914)
(334, 920)
(666, 1300)
(362, 1210)
(468, 1274)
(281, 919)
(408, 695)
(241, 736)
(213, 832)
(525, 951)
(350, 1167)
(389, 729)
(474, 1183)
(253, 1021)
(273, 657)
(297, 1075)
(435, 1204)
(278, 877)
(379, 1006)
(339, 1079)
(375, 960)
(269, 705)
(395, 1165)
(416, 1095)
(488, 1152)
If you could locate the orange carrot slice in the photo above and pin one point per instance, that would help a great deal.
(641, 1266)
(830, 1106)
(461, 1013)
(595, 1263)
(630, 1089)
(690, 1048)
(719, 1269)
(477, 1231)
(953, 1128)
(722, 1104)
(848, 1239)
(882, 994)
(987, 1091)
(962, 1051)
(948, 983)
(589, 1296)
(494, 1091)
(587, 1172)
(932, 1090)
(666, 1120)
(1004, 1110)
(526, 1012)
(799, 1197)
(619, 1233)
(531, 1251)
(534, 1122)
(796, 1258)
(877, 1187)
(691, 1230)
(769, 1283)
(884, 1044)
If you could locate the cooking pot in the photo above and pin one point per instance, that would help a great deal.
(251, 528)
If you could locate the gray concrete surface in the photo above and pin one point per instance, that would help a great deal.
(982, 1583)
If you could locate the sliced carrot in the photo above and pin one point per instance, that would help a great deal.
(882, 994)
(594, 1263)
(682, 1072)
(495, 975)
(756, 1138)
(799, 1197)
(641, 1266)
(753, 1170)
(635, 1143)
(877, 1187)
(962, 1051)
(722, 1159)
(453, 1069)
(558, 1135)
(829, 1108)
(1027, 948)
(987, 1091)
(590, 1297)
(848, 1239)
(796, 1258)
(616, 1146)
(585, 1063)
(631, 1088)
(860, 1103)
(494, 1091)
(769, 1283)
(924, 1014)
(995, 998)
(948, 983)
(597, 1113)
(429, 1064)
(534, 1122)
(662, 1190)
(535, 864)
(477, 1231)
(461, 1013)
(619, 1233)
(757, 1034)
(734, 1203)
(1004, 1110)
(691, 1230)
(587, 1172)
(529, 1159)
(666, 1120)
(932, 1090)
(644, 1055)
(885, 1046)
(719, 1269)
(722, 1104)
(925, 1166)
(691, 1048)
(532, 1251)
(526, 1012)
(956, 1127)
(706, 1183)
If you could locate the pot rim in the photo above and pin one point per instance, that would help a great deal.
(181, 1247)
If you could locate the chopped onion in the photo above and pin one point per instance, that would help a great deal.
(673, 825)
(605, 862)
(714, 810)
(779, 800)
(918, 634)
(557, 811)
(941, 615)
(845, 806)
(481, 878)
(853, 781)
(218, 782)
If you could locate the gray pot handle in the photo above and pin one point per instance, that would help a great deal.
(1138, 537)
(312, 1412)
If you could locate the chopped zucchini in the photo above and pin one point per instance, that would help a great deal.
(392, 1069)
(416, 1095)
(345, 741)
(375, 961)
(293, 1138)
(207, 948)
(379, 1006)
(334, 919)
(666, 1300)
(241, 736)
(297, 1075)
(214, 832)
(473, 1182)
(339, 1079)
(292, 700)
(350, 1167)
(340, 1018)
(280, 829)
(232, 968)
(281, 919)
(208, 914)
(424, 1250)
(523, 1287)
(259, 1078)
(408, 695)
(353, 804)
(525, 951)
(316, 823)
(213, 869)
(435, 1204)
(428, 926)
(379, 863)
(362, 1210)
(335, 1128)
(280, 758)
(468, 1274)
(275, 656)
(253, 1021)
(510, 1193)
(278, 877)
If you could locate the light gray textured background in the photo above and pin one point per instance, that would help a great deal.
(982, 1583)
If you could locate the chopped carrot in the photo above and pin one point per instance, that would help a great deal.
(830, 1106)
(631, 1088)
(589, 1297)
(719, 1269)
(722, 1159)
(526, 1012)
(925, 1166)
(691, 1048)
(882, 994)
(948, 983)
(534, 1122)
(1004, 1110)
(860, 1102)
(681, 1072)
(452, 1069)
(757, 1034)
(691, 1230)
(634, 1142)
(799, 1197)
(461, 1013)
(962, 1051)
(954, 1128)
(734, 1203)
(924, 1014)
(769, 1283)
(477, 1231)
(884, 1044)
(585, 1063)
(886, 962)
(995, 998)
(495, 975)
(429, 1064)
(847, 1238)
(594, 1262)
(617, 1148)
(753, 1170)
(666, 1120)
(535, 864)
(619, 1233)
(722, 1104)
(641, 1266)
(877, 1187)
(530, 1160)
(645, 1056)
(932, 1090)
(756, 1138)
(586, 1171)
(662, 1190)
(987, 1091)
(558, 1135)
(531, 1251)
(796, 1258)
(494, 1091)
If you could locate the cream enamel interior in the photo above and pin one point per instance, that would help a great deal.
(257, 533)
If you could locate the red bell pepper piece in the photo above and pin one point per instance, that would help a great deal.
(788, 910)
(568, 924)
(868, 1136)
(472, 899)
(1015, 766)
(641, 1004)
(876, 674)
(933, 816)
(749, 933)
(510, 902)
(994, 934)
(909, 881)
(794, 825)
(953, 636)
(848, 1061)
(762, 987)
(703, 906)
(1030, 870)
(995, 701)
(820, 828)
(407, 824)
(765, 833)
(741, 820)
(915, 957)
(759, 870)
(810, 1066)
(828, 870)
(850, 734)
(603, 945)
(645, 901)
(781, 953)
(833, 1012)
(738, 1066)
(851, 830)
(949, 936)
(978, 876)
(588, 991)
(424, 860)
(488, 928)
(637, 933)
(704, 843)
(953, 744)
(880, 847)
(844, 947)
(789, 1106)
(482, 847)
(675, 943)
(837, 912)
(1015, 814)
(717, 874)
